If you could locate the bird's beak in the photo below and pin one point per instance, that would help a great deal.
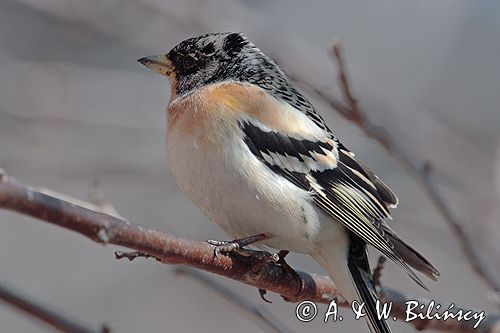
(159, 63)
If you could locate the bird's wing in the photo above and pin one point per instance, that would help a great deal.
(341, 186)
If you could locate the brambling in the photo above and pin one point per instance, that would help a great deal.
(256, 157)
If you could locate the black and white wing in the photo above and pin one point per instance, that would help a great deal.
(341, 186)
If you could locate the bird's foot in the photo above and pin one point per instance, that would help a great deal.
(286, 267)
(279, 259)
(289, 270)
(237, 245)
(223, 246)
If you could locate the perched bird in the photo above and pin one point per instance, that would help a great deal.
(256, 157)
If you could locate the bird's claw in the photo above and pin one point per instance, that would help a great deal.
(223, 246)
(237, 245)
(286, 267)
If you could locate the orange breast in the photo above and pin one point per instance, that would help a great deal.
(228, 102)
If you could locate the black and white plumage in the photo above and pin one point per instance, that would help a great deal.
(346, 190)
(256, 157)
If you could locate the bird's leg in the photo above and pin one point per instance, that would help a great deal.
(288, 269)
(237, 245)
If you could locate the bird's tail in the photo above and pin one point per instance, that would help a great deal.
(411, 256)
(366, 292)
(347, 264)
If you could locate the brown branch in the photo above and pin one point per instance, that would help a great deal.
(262, 272)
(422, 174)
(52, 317)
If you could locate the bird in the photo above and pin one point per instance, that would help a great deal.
(256, 157)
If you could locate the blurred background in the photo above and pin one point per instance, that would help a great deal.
(76, 108)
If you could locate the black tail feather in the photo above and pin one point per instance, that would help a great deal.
(362, 279)
(412, 257)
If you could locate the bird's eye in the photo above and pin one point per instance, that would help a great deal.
(188, 62)
(208, 49)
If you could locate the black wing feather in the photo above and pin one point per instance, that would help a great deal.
(347, 192)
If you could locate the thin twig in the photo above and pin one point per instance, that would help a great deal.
(131, 255)
(51, 317)
(377, 272)
(263, 318)
(350, 110)
(344, 82)
(263, 273)
(421, 174)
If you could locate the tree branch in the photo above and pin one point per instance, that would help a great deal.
(262, 272)
(52, 317)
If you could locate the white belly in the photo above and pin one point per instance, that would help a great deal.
(240, 194)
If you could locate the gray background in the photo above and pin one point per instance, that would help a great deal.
(76, 107)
